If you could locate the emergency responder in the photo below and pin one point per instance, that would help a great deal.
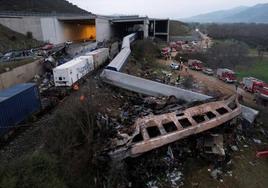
(178, 78)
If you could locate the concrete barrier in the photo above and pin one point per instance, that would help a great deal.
(20, 74)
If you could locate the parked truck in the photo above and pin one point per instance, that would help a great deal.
(258, 87)
(226, 75)
(261, 95)
(166, 52)
(173, 46)
(195, 64)
(17, 103)
(252, 84)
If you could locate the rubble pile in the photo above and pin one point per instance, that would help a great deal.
(165, 167)
(44, 81)
(138, 106)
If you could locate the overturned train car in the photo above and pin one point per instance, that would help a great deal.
(155, 131)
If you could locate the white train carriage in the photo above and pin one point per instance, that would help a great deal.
(100, 56)
(118, 62)
(72, 71)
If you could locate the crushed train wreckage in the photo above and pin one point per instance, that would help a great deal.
(154, 131)
(113, 76)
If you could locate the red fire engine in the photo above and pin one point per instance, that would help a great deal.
(195, 64)
(226, 75)
(166, 52)
(252, 84)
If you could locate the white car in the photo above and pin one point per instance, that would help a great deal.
(68, 42)
(174, 66)
(208, 71)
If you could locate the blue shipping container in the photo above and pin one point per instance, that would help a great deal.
(16, 104)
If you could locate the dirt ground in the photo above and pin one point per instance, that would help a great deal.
(211, 83)
(246, 172)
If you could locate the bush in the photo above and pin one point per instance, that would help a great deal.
(145, 51)
(78, 140)
(72, 155)
(13, 38)
(227, 54)
(251, 33)
(177, 28)
(36, 170)
(188, 82)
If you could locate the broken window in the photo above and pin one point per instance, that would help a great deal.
(185, 123)
(153, 131)
(180, 114)
(210, 115)
(232, 105)
(137, 138)
(207, 149)
(222, 111)
(199, 118)
(170, 127)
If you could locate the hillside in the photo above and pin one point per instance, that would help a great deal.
(11, 40)
(215, 16)
(177, 28)
(45, 6)
(255, 14)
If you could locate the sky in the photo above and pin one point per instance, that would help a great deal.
(160, 8)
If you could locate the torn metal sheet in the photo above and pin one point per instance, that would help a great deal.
(148, 87)
(213, 144)
(249, 114)
(154, 131)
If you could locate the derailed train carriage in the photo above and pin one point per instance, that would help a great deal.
(72, 71)
(21, 101)
(155, 131)
(18, 103)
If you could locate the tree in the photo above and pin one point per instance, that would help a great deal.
(227, 54)
(251, 33)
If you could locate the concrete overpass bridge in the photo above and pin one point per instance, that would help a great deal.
(148, 27)
(58, 28)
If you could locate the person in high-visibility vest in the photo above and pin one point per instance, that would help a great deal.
(178, 78)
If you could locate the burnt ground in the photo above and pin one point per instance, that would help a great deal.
(188, 168)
